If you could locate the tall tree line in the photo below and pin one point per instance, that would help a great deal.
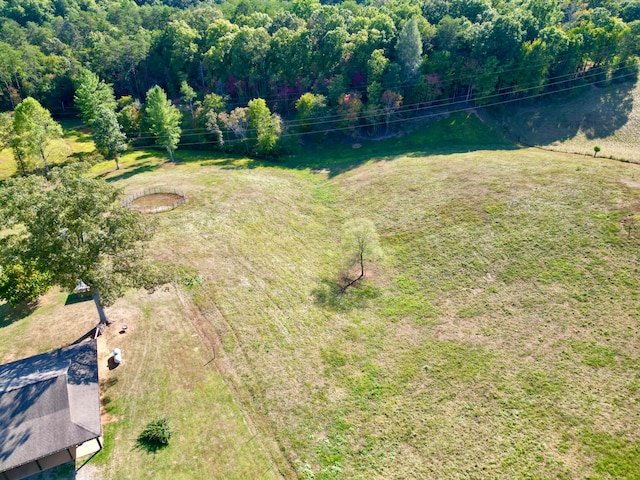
(369, 62)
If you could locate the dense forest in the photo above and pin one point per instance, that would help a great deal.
(360, 67)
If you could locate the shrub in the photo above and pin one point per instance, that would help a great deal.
(156, 434)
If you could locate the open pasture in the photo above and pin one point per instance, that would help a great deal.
(496, 338)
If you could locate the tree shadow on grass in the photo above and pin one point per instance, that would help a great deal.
(79, 297)
(144, 168)
(149, 447)
(9, 314)
(78, 135)
(447, 134)
(443, 134)
(331, 294)
(598, 112)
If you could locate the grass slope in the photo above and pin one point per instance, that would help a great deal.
(608, 117)
(496, 339)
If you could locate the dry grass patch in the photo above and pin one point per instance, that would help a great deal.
(497, 339)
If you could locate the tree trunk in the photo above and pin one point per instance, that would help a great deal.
(344, 289)
(13, 106)
(101, 314)
(18, 157)
(44, 160)
(170, 154)
(117, 159)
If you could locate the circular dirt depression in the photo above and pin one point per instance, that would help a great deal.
(155, 200)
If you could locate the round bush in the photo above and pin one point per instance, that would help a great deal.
(157, 433)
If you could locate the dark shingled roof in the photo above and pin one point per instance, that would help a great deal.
(48, 403)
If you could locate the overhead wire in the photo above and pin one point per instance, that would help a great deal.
(402, 120)
(418, 106)
(551, 81)
(454, 76)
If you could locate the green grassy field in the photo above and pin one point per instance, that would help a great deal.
(496, 338)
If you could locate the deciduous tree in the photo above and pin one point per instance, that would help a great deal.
(237, 122)
(107, 135)
(310, 106)
(360, 244)
(9, 139)
(188, 96)
(268, 126)
(71, 227)
(22, 281)
(391, 102)
(36, 130)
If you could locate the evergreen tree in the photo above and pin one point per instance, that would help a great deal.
(91, 94)
(163, 119)
(409, 49)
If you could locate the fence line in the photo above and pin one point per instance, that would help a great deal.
(128, 202)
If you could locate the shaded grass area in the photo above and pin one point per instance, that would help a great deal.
(496, 339)
(460, 132)
(605, 116)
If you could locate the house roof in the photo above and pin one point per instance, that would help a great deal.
(48, 403)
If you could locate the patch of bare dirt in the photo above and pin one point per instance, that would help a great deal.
(630, 183)
(154, 200)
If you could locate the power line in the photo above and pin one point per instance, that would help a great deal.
(399, 120)
(419, 106)
(452, 76)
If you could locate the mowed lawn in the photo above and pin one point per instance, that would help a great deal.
(167, 371)
(496, 338)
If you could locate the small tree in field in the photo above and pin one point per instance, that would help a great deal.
(596, 149)
(361, 244)
(107, 134)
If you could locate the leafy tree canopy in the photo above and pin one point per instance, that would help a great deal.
(71, 227)
(35, 130)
